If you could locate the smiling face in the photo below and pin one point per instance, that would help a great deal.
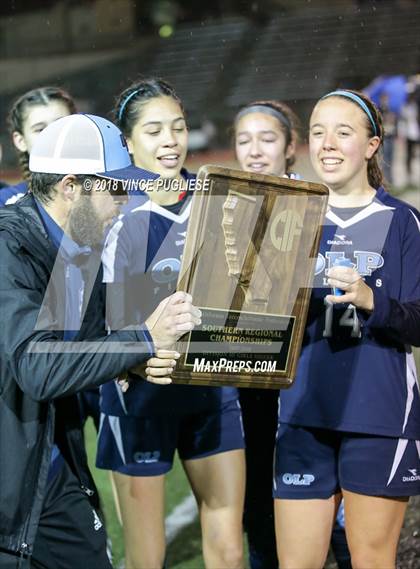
(159, 139)
(260, 144)
(340, 144)
(37, 118)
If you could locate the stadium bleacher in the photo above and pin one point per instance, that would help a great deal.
(218, 65)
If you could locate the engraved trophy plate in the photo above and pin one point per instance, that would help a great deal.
(249, 261)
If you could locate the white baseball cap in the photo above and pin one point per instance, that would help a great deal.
(84, 144)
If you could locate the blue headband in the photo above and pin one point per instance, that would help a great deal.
(358, 100)
(267, 110)
(130, 96)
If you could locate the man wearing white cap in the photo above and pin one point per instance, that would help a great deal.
(54, 343)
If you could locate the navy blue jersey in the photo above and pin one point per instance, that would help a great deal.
(137, 196)
(12, 194)
(353, 374)
(141, 265)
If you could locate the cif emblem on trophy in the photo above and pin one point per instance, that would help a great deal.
(256, 269)
(248, 263)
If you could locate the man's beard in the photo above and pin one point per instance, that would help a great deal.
(85, 227)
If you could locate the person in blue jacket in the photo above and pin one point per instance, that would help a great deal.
(28, 116)
(350, 425)
(142, 428)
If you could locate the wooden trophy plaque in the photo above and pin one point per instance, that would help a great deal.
(248, 262)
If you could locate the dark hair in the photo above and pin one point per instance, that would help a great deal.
(43, 185)
(290, 126)
(129, 103)
(20, 109)
(374, 172)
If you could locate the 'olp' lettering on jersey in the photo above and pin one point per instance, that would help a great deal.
(352, 376)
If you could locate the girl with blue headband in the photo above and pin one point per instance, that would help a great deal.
(350, 425)
(142, 428)
(265, 136)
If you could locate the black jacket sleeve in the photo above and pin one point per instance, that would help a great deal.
(42, 364)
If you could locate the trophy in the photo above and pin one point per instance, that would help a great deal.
(249, 261)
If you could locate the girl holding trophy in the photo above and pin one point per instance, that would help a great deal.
(351, 421)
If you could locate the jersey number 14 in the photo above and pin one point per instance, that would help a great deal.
(349, 319)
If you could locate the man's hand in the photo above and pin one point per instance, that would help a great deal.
(157, 369)
(355, 290)
(173, 317)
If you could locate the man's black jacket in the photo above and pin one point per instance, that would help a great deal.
(38, 381)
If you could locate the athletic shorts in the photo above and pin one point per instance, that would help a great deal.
(317, 463)
(145, 446)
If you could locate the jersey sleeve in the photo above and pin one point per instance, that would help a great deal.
(124, 255)
(116, 253)
(11, 194)
(399, 316)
